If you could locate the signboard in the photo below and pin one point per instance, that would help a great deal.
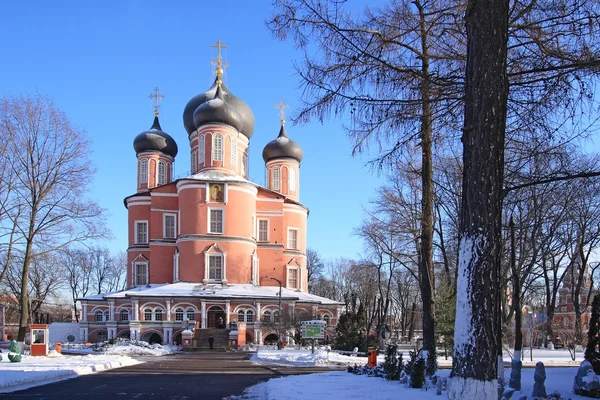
(314, 329)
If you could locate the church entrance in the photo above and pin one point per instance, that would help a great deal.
(213, 316)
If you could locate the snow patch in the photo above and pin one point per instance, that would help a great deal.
(469, 388)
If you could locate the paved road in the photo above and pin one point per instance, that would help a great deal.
(203, 376)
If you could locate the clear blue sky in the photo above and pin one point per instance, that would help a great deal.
(99, 61)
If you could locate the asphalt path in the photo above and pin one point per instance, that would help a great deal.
(199, 375)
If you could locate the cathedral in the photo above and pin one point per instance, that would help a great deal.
(212, 250)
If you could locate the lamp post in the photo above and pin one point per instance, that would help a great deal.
(279, 325)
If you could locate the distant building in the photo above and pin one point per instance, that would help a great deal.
(213, 245)
(564, 316)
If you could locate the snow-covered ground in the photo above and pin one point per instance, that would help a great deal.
(34, 371)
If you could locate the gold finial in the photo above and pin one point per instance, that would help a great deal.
(157, 97)
(282, 107)
(219, 63)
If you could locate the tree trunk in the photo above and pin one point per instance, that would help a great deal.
(24, 318)
(426, 271)
(475, 361)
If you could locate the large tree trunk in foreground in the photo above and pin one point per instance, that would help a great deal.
(474, 369)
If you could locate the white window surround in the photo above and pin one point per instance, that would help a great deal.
(275, 178)
(245, 165)
(201, 150)
(169, 226)
(216, 224)
(217, 147)
(140, 273)
(263, 230)
(293, 239)
(140, 231)
(161, 173)
(144, 171)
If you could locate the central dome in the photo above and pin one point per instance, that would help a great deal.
(193, 113)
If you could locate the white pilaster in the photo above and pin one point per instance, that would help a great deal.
(84, 316)
(168, 302)
(111, 310)
(227, 308)
(135, 313)
(203, 313)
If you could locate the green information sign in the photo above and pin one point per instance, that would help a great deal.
(313, 329)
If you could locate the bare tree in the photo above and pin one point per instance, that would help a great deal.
(50, 159)
(314, 266)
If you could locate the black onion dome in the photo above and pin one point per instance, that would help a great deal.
(219, 110)
(244, 111)
(282, 147)
(155, 139)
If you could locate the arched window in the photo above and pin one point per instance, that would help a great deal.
(162, 173)
(275, 316)
(158, 314)
(249, 316)
(190, 314)
(234, 153)
(241, 316)
(99, 316)
(291, 179)
(267, 316)
(217, 147)
(124, 315)
(106, 315)
(326, 318)
(179, 314)
(144, 171)
(275, 178)
(194, 168)
(148, 314)
(201, 150)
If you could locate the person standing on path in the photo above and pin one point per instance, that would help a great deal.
(211, 341)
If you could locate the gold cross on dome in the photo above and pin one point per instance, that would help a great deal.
(219, 63)
(157, 97)
(282, 107)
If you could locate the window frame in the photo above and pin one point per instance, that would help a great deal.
(161, 173)
(267, 316)
(217, 147)
(144, 170)
(99, 316)
(136, 275)
(234, 154)
(201, 150)
(165, 217)
(189, 314)
(148, 314)
(212, 268)
(293, 237)
(210, 220)
(293, 278)
(179, 314)
(136, 227)
(276, 178)
(124, 312)
(194, 162)
(259, 238)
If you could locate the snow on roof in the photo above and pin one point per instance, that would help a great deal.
(194, 289)
(213, 175)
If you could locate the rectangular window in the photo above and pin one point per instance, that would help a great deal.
(162, 173)
(244, 165)
(179, 314)
(201, 150)
(275, 178)
(144, 171)
(234, 154)
(147, 314)
(141, 274)
(141, 232)
(194, 162)
(216, 221)
(215, 266)
(263, 230)
(292, 242)
(169, 226)
(293, 278)
(217, 147)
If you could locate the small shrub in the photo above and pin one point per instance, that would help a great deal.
(392, 364)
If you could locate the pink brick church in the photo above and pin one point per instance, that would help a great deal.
(211, 246)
